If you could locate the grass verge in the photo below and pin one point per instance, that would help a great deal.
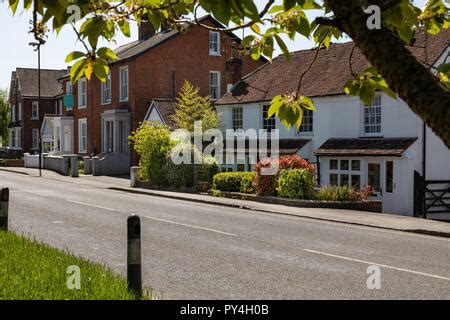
(35, 271)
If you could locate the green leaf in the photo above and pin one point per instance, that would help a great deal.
(124, 26)
(106, 54)
(78, 70)
(75, 55)
(101, 69)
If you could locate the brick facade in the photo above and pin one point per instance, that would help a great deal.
(159, 73)
(24, 121)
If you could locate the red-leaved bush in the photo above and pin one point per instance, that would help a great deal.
(266, 185)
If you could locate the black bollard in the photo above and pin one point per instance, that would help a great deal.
(4, 204)
(134, 270)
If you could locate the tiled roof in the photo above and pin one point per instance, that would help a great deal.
(138, 47)
(166, 109)
(394, 147)
(50, 86)
(328, 74)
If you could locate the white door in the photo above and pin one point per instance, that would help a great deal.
(390, 203)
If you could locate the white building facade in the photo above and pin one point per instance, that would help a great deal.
(384, 145)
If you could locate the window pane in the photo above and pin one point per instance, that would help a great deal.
(237, 120)
(269, 124)
(389, 176)
(344, 165)
(356, 181)
(374, 176)
(345, 180)
(307, 123)
(356, 165)
(334, 165)
(334, 179)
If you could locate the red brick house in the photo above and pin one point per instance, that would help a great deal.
(26, 113)
(153, 68)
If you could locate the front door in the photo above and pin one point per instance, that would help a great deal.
(109, 137)
(374, 178)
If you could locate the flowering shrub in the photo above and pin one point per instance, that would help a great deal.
(344, 193)
(267, 185)
(296, 184)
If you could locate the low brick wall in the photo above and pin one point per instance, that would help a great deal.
(12, 163)
(369, 206)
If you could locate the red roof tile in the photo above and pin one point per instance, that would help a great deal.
(327, 76)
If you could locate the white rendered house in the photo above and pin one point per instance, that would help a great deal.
(384, 145)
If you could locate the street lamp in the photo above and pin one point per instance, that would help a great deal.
(38, 45)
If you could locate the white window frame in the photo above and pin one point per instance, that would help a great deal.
(69, 88)
(372, 113)
(106, 90)
(13, 113)
(121, 84)
(263, 119)
(18, 139)
(19, 118)
(35, 139)
(35, 110)
(81, 147)
(82, 96)
(234, 112)
(307, 128)
(343, 172)
(215, 87)
(214, 43)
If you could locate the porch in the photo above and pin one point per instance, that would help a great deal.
(57, 135)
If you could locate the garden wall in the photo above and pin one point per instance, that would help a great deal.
(369, 206)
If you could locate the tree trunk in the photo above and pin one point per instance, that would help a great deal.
(414, 83)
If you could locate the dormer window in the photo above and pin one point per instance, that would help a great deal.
(214, 43)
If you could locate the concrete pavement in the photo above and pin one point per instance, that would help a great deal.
(202, 251)
(383, 221)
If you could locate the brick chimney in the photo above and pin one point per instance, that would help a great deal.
(146, 30)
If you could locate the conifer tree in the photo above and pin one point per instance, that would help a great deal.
(191, 107)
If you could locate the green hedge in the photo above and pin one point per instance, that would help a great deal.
(234, 182)
(296, 184)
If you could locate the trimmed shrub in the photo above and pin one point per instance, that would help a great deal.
(183, 175)
(247, 183)
(234, 182)
(345, 193)
(266, 185)
(296, 184)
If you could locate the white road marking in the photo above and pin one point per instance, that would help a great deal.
(190, 226)
(160, 220)
(92, 205)
(378, 264)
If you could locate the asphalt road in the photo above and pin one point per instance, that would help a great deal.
(197, 251)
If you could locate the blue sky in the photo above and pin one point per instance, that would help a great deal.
(16, 52)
